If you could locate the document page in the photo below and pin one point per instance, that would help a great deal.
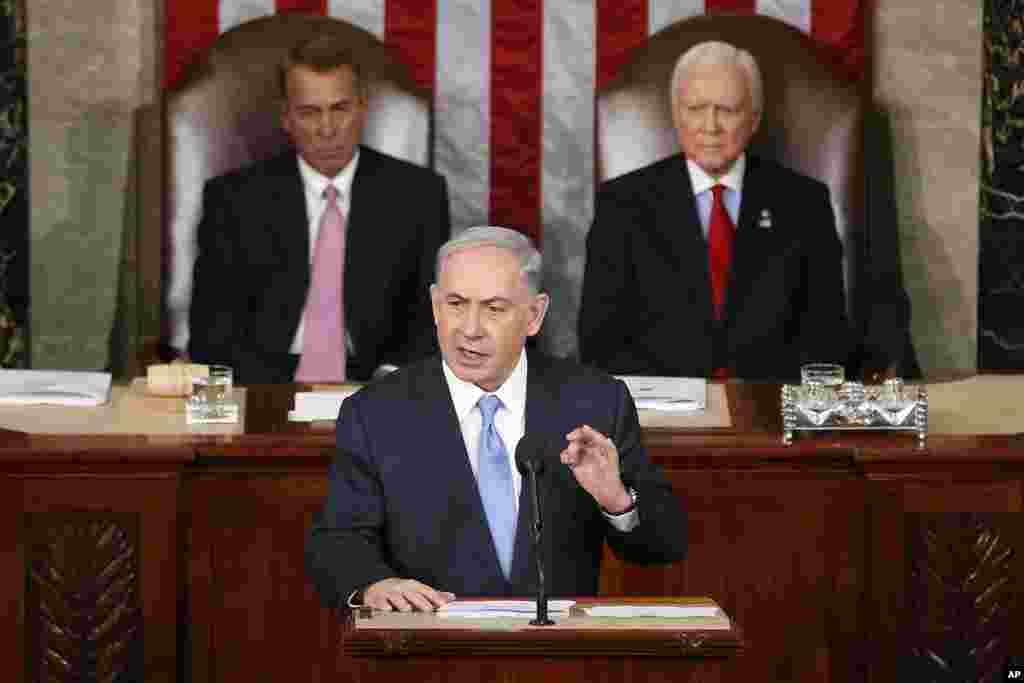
(312, 406)
(54, 387)
(664, 611)
(706, 616)
(477, 609)
(669, 394)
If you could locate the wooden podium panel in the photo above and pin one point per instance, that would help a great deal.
(946, 563)
(89, 561)
(774, 545)
(246, 582)
(817, 549)
(384, 647)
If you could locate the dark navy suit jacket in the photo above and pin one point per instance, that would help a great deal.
(252, 269)
(646, 303)
(403, 500)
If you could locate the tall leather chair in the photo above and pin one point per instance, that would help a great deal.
(226, 114)
(812, 122)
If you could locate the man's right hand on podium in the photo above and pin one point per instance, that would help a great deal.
(404, 595)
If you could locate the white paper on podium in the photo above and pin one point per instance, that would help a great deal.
(478, 609)
(311, 406)
(54, 387)
(668, 394)
(664, 611)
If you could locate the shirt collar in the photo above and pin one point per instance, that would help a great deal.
(512, 393)
(316, 183)
(702, 182)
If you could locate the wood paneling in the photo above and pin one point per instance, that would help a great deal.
(825, 552)
(94, 536)
(82, 597)
(246, 582)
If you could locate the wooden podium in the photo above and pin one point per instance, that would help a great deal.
(214, 528)
(392, 646)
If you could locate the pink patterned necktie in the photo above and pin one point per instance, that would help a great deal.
(323, 340)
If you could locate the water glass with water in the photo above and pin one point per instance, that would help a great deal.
(822, 374)
(212, 397)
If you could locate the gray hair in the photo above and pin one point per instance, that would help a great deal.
(322, 54)
(717, 53)
(530, 262)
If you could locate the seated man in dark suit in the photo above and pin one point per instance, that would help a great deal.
(425, 502)
(315, 265)
(713, 261)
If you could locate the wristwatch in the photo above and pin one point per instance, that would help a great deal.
(355, 598)
(632, 505)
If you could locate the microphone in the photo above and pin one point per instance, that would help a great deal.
(530, 454)
(530, 462)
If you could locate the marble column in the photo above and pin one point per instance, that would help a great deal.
(1001, 255)
(927, 67)
(91, 66)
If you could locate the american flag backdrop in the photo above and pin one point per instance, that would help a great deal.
(513, 84)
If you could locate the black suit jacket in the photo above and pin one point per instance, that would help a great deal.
(252, 270)
(403, 500)
(646, 304)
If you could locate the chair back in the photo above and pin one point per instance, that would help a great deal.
(226, 113)
(812, 122)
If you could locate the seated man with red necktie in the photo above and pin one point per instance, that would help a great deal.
(713, 262)
(308, 269)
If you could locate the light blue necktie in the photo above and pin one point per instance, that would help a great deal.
(494, 479)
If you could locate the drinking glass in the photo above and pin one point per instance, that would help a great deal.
(819, 390)
(895, 405)
(822, 374)
(211, 399)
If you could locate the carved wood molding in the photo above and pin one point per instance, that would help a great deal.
(962, 592)
(83, 619)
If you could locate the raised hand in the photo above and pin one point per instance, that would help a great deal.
(594, 461)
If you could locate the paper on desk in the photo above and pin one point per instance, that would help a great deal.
(666, 611)
(477, 609)
(54, 387)
(311, 406)
(669, 394)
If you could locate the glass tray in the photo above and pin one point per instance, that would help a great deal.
(892, 406)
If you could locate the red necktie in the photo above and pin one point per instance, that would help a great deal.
(323, 340)
(720, 234)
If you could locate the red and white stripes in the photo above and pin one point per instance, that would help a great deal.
(514, 84)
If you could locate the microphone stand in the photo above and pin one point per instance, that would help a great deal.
(538, 527)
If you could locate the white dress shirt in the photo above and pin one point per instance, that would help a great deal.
(733, 195)
(510, 421)
(315, 185)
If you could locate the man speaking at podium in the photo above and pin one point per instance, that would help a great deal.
(425, 503)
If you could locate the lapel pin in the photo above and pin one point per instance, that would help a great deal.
(765, 220)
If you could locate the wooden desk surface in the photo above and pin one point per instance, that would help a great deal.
(754, 407)
(377, 634)
(808, 547)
